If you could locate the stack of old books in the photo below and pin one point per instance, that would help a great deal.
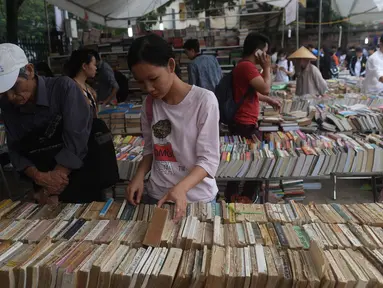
(133, 119)
(287, 126)
(275, 189)
(115, 118)
(298, 154)
(286, 190)
(351, 99)
(357, 118)
(270, 123)
(129, 154)
(294, 114)
(84, 264)
(215, 245)
(293, 190)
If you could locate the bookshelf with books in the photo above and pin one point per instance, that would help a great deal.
(221, 43)
(116, 58)
(111, 244)
(227, 57)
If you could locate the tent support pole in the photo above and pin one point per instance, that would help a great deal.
(320, 32)
(283, 28)
(297, 28)
(47, 26)
(340, 36)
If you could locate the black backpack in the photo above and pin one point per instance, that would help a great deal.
(225, 94)
(334, 70)
(123, 84)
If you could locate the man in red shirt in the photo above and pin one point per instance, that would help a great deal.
(248, 80)
(245, 76)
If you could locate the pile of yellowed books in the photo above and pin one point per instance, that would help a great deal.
(214, 245)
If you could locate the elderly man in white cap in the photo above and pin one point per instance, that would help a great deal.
(310, 80)
(48, 124)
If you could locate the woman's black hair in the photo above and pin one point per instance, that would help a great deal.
(151, 49)
(74, 64)
(282, 52)
(253, 42)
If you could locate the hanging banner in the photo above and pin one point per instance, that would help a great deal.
(303, 2)
(291, 12)
(182, 13)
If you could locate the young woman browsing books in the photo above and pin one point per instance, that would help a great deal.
(180, 128)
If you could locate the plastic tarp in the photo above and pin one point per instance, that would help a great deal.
(111, 13)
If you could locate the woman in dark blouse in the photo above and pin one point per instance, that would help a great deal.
(80, 67)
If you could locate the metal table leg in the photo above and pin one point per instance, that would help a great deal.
(334, 184)
(266, 196)
(374, 192)
(5, 182)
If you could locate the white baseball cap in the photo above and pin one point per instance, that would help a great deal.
(12, 58)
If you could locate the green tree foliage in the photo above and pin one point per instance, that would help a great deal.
(31, 18)
(3, 18)
(212, 7)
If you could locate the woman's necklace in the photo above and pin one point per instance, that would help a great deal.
(83, 86)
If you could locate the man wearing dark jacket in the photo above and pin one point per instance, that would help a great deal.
(52, 136)
(204, 70)
(358, 63)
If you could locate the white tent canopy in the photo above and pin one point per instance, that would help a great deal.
(114, 13)
(359, 11)
(353, 7)
(111, 13)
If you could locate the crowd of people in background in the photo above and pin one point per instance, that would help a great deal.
(332, 61)
(205, 71)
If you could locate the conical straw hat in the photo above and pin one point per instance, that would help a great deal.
(302, 53)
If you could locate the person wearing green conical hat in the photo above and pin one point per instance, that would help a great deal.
(309, 80)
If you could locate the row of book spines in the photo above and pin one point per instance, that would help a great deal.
(308, 148)
(352, 158)
(230, 212)
(246, 267)
(185, 235)
(296, 139)
(160, 267)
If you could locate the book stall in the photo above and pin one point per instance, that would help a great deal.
(341, 110)
(282, 160)
(281, 243)
(112, 244)
(268, 236)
